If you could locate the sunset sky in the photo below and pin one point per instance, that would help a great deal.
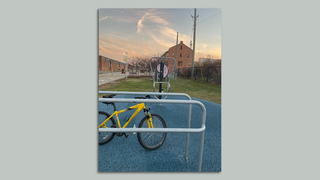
(153, 31)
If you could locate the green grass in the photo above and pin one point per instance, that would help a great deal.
(193, 88)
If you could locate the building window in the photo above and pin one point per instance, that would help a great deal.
(180, 55)
(188, 55)
(109, 64)
(181, 47)
(179, 63)
(172, 54)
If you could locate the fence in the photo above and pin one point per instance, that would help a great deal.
(134, 72)
(210, 74)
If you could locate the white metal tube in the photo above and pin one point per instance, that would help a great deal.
(188, 135)
(167, 101)
(144, 93)
(166, 130)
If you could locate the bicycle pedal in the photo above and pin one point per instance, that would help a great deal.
(126, 135)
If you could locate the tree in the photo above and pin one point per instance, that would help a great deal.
(143, 62)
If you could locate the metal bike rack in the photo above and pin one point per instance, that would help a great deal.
(173, 130)
(157, 93)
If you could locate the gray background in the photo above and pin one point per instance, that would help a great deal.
(270, 89)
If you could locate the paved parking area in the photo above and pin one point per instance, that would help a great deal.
(127, 155)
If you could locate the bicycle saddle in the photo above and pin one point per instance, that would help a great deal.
(108, 96)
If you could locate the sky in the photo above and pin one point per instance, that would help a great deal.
(150, 32)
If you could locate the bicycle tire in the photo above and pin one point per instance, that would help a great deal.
(105, 137)
(144, 138)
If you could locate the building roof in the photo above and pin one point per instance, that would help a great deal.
(109, 59)
(181, 43)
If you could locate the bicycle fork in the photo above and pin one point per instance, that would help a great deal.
(149, 120)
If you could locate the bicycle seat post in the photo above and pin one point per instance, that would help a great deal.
(114, 106)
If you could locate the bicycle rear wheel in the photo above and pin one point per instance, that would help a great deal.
(152, 140)
(105, 137)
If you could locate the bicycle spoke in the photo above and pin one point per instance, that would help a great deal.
(104, 137)
(152, 140)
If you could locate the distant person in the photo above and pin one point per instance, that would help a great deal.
(122, 71)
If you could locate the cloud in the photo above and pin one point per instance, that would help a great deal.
(157, 20)
(140, 25)
(203, 46)
(161, 41)
(114, 47)
(103, 50)
(106, 17)
(150, 17)
(170, 33)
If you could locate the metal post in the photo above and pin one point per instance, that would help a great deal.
(188, 135)
(195, 77)
(161, 76)
(200, 151)
(194, 39)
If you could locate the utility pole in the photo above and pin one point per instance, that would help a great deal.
(176, 49)
(190, 54)
(175, 57)
(194, 39)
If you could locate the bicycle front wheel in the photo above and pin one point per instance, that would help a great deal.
(105, 137)
(152, 140)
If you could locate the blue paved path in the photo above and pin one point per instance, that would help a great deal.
(129, 156)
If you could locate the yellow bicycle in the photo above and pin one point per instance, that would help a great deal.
(148, 140)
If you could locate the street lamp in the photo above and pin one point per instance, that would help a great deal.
(125, 56)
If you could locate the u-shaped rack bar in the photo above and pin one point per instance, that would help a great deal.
(171, 130)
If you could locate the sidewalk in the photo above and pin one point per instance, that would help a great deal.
(109, 77)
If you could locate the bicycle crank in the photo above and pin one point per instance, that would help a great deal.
(121, 134)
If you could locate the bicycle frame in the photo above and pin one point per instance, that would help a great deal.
(139, 107)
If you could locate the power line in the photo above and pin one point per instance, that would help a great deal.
(200, 11)
(209, 17)
(178, 14)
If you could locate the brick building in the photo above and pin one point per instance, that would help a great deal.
(107, 64)
(184, 55)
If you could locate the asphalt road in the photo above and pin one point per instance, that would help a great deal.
(109, 77)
